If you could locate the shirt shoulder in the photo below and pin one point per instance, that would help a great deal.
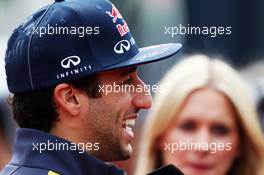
(22, 170)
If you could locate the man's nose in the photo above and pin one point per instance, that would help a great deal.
(142, 99)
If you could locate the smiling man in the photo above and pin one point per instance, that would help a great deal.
(55, 63)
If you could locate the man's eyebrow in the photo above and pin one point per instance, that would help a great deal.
(128, 71)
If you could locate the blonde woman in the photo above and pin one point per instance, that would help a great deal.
(204, 122)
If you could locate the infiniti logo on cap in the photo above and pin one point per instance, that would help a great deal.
(71, 60)
(122, 46)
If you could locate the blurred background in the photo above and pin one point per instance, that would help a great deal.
(147, 20)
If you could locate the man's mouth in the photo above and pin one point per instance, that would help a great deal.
(129, 122)
(127, 125)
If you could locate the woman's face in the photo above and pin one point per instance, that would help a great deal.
(205, 139)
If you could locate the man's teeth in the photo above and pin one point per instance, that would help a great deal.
(130, 122)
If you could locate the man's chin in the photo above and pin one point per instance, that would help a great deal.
(126, 152)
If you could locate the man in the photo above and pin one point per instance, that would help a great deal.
(72, 69)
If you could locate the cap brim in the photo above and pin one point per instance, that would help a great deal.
(148, 55)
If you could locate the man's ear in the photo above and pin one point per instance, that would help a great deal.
(67, 99)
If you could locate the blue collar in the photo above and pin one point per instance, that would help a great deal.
(66, 162)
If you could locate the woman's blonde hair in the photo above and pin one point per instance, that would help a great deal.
(194, 73)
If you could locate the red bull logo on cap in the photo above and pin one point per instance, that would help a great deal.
(122, 29)
(114, 14)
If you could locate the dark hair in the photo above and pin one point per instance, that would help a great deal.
(37, 109)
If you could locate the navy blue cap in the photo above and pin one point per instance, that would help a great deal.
(71, 39)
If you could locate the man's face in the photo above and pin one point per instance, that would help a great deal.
(109, 118)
